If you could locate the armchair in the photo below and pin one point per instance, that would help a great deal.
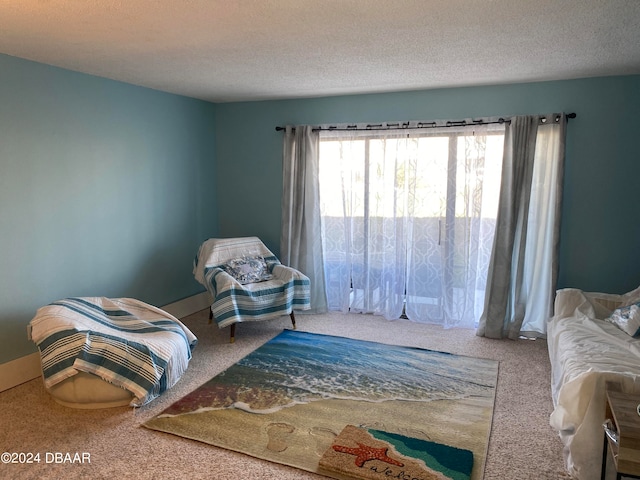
(247, 282)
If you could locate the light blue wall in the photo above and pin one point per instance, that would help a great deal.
(600, 245)
(106, 189)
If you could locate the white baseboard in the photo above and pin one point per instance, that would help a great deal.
(27, 368)
(19, 371)
(189, 305)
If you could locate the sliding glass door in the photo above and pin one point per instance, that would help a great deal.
(408, 220)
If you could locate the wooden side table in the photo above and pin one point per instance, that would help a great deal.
(622, 410)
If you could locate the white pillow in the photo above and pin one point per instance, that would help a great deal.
(627, 319)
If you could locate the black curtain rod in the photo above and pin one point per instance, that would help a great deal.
(407, 125)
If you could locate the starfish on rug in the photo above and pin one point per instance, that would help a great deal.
(365, 453)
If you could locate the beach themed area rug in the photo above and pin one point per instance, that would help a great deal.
(346, 408)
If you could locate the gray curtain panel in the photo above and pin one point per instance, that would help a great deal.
(301, 239)
(523, 268)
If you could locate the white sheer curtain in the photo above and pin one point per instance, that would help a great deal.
(448, 262)
(524, 263)
(364, 207)
(408, 220)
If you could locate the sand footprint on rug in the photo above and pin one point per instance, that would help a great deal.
(278, 434)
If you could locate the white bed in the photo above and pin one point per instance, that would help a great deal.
(587, 353)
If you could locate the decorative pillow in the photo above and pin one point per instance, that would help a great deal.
(627, 319)
(248, 269)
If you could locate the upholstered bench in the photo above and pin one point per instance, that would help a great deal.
(99, 352)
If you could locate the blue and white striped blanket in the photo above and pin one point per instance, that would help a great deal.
(124, 341)
(288, 290)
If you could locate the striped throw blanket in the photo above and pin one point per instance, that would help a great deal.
(124, 341)
(288, 290)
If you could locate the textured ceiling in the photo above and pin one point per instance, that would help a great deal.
(232, 50)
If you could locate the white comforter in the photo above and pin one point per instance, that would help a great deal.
(586, 352)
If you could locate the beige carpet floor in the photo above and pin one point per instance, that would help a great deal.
(522, 444)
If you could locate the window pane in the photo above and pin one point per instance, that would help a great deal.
(430, 192)
(341, 176)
